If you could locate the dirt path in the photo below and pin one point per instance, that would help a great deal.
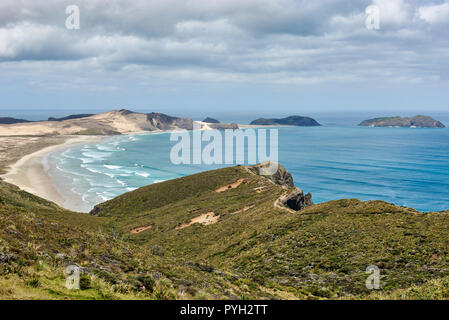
(243, 209)
(141, 229)
(231, 186)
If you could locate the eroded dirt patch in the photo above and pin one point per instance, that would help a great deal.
(243, 209)
(231, 186)
(204, 219)
(260, 189)
(141, 229)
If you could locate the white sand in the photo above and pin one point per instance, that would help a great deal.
(29, 174)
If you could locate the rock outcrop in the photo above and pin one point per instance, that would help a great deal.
(275, 172)
(407, 122)
(289, 121)
(295, 198)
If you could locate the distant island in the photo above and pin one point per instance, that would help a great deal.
(289, 121)
(210, 120)
(9, 120)
(71, 117)
(407, 122)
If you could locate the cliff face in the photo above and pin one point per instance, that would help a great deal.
(408, 122)
(281, 177)
(294, 198)
(289, 121)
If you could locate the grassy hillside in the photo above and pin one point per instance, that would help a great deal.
(38, 240)
(218, 235)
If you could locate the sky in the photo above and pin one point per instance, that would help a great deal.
(221, 57)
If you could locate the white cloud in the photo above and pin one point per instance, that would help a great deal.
(394, 12)
(435, 14)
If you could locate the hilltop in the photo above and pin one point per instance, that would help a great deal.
(224, 234)
(409, 122)
(289, 121)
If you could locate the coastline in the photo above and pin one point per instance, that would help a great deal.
(29, 174)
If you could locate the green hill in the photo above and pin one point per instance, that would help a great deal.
(223, 234)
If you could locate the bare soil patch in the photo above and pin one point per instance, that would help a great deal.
(204, 219)
(231, 186)
(141, 229)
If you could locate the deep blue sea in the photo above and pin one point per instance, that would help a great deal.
(408, 167)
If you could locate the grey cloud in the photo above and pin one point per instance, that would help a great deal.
(235, 40)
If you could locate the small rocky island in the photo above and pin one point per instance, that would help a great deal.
(210, 120)
(404, 122)
(289, 121)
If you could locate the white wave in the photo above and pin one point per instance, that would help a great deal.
(102, 196)
(84, 197)
(97, 155)
(107, 148)
(87, 160)
(71, 172)
(121, 182)
(143, 174)
(92, 170)
(112, 167)
(158, 181)
(131, 189)
(133, 138)
(68, 154)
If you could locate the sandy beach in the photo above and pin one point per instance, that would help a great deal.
(28, 172)
(22, 164)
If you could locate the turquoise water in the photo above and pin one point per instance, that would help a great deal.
(404, 166)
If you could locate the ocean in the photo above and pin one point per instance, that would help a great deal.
(404, 166)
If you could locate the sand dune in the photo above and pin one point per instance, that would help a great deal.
(112, 122)
(108, 123)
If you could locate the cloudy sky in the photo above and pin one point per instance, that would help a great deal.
(225, 56)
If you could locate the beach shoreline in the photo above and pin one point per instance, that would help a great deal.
(27, 170)
(29, 174)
